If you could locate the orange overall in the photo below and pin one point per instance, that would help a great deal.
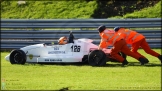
(136, 40)
(110, 37)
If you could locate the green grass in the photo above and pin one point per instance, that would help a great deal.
(83, 77)
(47, 9)
(150, 12)
(69, 10)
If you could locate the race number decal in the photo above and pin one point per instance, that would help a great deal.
(75, 48)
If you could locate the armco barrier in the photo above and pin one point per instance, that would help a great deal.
(17, 33)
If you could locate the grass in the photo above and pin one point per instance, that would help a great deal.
(68, 10)
(83, 77)
(77, 77)
(150, 12)
(47, 9)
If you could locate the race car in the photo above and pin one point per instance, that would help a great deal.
(76, 50)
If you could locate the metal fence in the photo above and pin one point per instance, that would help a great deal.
(17, 33)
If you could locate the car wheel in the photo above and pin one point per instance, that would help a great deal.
(17, 57)
(97, 58)
(85, 59)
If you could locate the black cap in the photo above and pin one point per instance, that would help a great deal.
(116, 28)
(101, 28)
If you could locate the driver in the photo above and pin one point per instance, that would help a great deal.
(62, 40)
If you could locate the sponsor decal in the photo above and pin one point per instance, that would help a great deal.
(30, 56)
(56, 52)
(46, 60)
(56, 48)
(53, 60)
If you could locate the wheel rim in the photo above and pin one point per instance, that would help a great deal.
(96, 59)
(18, 58)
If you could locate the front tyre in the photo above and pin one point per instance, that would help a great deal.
(85, 59)
(17, 57)
(97, 58)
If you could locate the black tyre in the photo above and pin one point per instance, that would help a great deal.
(85, 59)
(97, 58)
(17, 57)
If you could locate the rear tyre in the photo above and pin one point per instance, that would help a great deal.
(97, 58)
(17, 57)
(85, 59)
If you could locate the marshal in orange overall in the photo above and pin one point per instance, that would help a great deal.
(136, 40)
(119, 44)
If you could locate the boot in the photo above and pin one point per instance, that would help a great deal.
(160, 58)
(142, 60)
(146, 60)
(125, 62)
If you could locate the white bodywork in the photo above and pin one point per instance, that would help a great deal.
(71, 52)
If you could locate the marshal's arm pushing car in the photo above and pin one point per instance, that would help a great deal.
(75, 50)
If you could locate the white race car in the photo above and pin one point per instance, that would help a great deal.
(80, 50)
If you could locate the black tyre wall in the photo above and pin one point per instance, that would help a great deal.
(21, 54)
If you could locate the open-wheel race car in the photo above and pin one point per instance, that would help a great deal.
(76, 50)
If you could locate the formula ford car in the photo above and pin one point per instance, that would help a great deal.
(79, 50)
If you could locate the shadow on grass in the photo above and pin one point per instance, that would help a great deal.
(109, 64)
(58, 64)
(133, 64)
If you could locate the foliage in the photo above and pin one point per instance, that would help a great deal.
(82, 77)
(47, 9)
(150, 12)
(84, 9)
(111, 8)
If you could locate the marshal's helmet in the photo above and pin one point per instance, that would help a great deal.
(116, 28)
(101, 28)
